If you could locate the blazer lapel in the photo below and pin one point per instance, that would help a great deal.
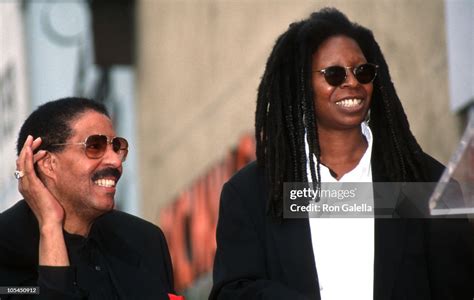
(293, 241)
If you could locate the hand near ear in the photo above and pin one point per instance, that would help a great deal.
(45, 206)
(47, 209)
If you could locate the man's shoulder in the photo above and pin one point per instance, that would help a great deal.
(19, 208)
(130, 220)
(125, 224)
(18, 235)
(126, 234)
(18, 218)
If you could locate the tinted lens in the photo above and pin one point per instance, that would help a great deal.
(120, 145)
(335, 75)
(365, 73)
(96, 146)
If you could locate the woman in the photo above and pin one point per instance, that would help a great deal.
(323, 78)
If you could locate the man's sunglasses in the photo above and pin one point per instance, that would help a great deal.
(337, 75)
(95, 146)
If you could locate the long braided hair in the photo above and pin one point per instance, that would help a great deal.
(285, 111)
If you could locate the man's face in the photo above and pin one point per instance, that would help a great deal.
(85, 186)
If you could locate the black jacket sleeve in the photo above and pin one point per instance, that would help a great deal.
(239, 266)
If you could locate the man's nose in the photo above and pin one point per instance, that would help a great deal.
(113, 158)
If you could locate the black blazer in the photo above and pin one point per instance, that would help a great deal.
(258, 258)
(135, 250)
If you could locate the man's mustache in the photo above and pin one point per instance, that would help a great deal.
(107, 172)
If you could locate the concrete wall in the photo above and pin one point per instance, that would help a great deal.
(199, 64)
(14, 99)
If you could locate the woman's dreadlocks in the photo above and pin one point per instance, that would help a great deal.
(286, 114)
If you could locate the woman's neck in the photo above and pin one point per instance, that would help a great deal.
(341, 150)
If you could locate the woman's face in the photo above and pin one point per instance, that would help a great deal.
(344, 106)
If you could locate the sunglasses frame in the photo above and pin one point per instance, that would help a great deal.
(123, 152)
(353, 71)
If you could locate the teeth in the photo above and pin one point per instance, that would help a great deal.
(349, 102)
(105, 182)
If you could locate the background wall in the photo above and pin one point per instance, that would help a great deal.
(13, 96)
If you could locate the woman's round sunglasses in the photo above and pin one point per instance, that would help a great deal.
(337, 75)
(95, 146)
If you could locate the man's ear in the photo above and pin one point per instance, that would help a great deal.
(46, 167)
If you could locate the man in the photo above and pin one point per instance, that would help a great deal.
(65, 237)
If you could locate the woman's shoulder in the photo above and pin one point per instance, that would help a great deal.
(249, 177)
(433, 168)
(247, 186)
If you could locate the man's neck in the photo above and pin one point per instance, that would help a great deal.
(76, 225)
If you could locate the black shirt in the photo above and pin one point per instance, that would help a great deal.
(87, 276)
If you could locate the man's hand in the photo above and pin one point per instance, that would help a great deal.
(47, 209)
(44, 205)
